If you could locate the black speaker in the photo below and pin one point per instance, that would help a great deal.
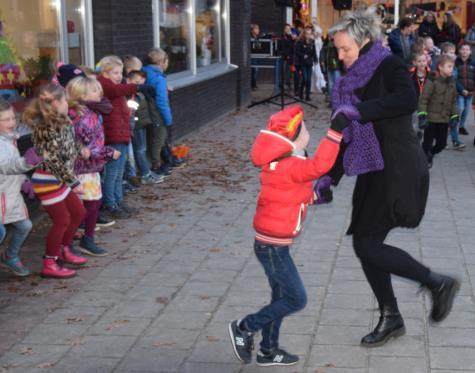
(342, 4)
(285, 2)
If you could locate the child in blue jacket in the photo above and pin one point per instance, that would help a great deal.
(160, 132)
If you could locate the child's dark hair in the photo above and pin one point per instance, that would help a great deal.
(140, 73)
(444, 47)
(463, 44)
(416, 55)
(5, 105)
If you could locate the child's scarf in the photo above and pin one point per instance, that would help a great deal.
(363, 153)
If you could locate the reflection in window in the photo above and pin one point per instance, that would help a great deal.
(207, 32)
(75, 25)
(175, 33)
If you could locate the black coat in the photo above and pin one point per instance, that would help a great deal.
(397, 195)
(428, 29)
(305, 53)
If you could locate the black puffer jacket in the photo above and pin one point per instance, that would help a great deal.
(465, 75)
(305, 53)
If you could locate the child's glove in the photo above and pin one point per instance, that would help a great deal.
(454, 121)
(147, 90)
(422, 121)
(27, 189)
(323, 191)
(32, 158)
(339, 122)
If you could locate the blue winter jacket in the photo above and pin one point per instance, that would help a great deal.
(157, 79)
(394, 41)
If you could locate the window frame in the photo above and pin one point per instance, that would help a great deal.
(195, 73)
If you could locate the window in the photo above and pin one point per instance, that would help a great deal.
(192, 32)
(174, 21)
(34, 35)
(207, 32)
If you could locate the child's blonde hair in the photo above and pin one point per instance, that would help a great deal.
(78, 88)
(40, 111)
(157, 56)
(107, 63)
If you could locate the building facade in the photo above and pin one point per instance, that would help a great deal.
(207, 42)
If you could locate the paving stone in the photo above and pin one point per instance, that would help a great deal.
(378, 364)
(131, 326)
(193, 303)
(340, 335)
(452, 358)
(337, 356)
(182, 319)
(75, 315)
(168, 338)
(403, 346)
(452, 337)
(55, 334)
(152, 360)
(195, 367)
(27, 357)
(341, 316)
(77, 364)
(136, 308)
(103, 346)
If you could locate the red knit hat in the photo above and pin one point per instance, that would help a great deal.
(286, 122)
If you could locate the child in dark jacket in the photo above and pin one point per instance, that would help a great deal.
(305, 57)
(437, 109)
(117, 133)
(142, 121)
(286, 190)
(84, 94)
(419, 74)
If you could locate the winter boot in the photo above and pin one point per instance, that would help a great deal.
(430, 158)
(390, 325)
(442, 290)
(51, 269)
(67, 256)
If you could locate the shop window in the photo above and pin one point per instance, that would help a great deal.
(207, 32)
(174, 21)
(75, 14)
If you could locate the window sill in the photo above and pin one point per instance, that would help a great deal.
(205, 73)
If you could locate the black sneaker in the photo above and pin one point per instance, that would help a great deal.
(277, 357)
(103, 222)
(243, 342)
(116, 213)
(463, 131)
(129, 188)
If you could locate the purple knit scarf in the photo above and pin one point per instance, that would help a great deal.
(363, 153)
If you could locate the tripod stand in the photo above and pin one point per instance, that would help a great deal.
(280, 98)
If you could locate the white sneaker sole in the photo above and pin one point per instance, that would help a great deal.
(231, 335)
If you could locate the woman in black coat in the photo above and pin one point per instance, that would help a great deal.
(376, 98)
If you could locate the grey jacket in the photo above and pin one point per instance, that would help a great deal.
(12, 169)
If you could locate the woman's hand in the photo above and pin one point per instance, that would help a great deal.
(79, 189)
(115, 155)
(85, 153)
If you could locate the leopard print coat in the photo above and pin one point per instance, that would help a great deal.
(59, 150)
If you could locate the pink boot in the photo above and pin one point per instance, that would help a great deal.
(51, 269)
(68, 257)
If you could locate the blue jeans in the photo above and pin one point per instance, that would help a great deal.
(464, 104)
(140, 150)
(454, 135)
(306, 79)
(21, 229)
(333, 76)
(288, 294)
(130, 167)
(112, 177)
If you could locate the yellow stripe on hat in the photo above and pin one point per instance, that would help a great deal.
(294, 122)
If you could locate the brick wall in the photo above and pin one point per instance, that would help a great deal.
(123, 29)
(269, 16)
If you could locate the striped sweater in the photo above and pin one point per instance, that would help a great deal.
(48, 188)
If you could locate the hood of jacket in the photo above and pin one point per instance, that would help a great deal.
(268, 147)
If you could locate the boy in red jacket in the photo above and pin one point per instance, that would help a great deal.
(117, 132)
(286, 191)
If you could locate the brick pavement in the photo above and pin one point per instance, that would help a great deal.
(181, 271)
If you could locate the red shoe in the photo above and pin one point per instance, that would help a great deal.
(51, 269)
(68, 257)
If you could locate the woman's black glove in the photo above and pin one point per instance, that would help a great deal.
(339, 123)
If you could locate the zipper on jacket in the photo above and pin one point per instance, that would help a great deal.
(4, 207)
(299, 221)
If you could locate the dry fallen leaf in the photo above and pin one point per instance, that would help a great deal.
(117, 324)
(204, 296)
(212, 338)
(26, 351)
(163, 344)
(75, 341)
(162, 300)
(74, 319)
(215, 250)
(45, 365)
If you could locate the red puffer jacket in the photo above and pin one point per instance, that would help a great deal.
(286, 184)
(117, 123)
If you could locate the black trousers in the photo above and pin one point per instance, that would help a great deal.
(437, 132)
(379, 261)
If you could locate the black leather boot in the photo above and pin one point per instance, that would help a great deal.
(390, 325)
(443, 290)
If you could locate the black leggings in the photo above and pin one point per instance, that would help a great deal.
(379, 261)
